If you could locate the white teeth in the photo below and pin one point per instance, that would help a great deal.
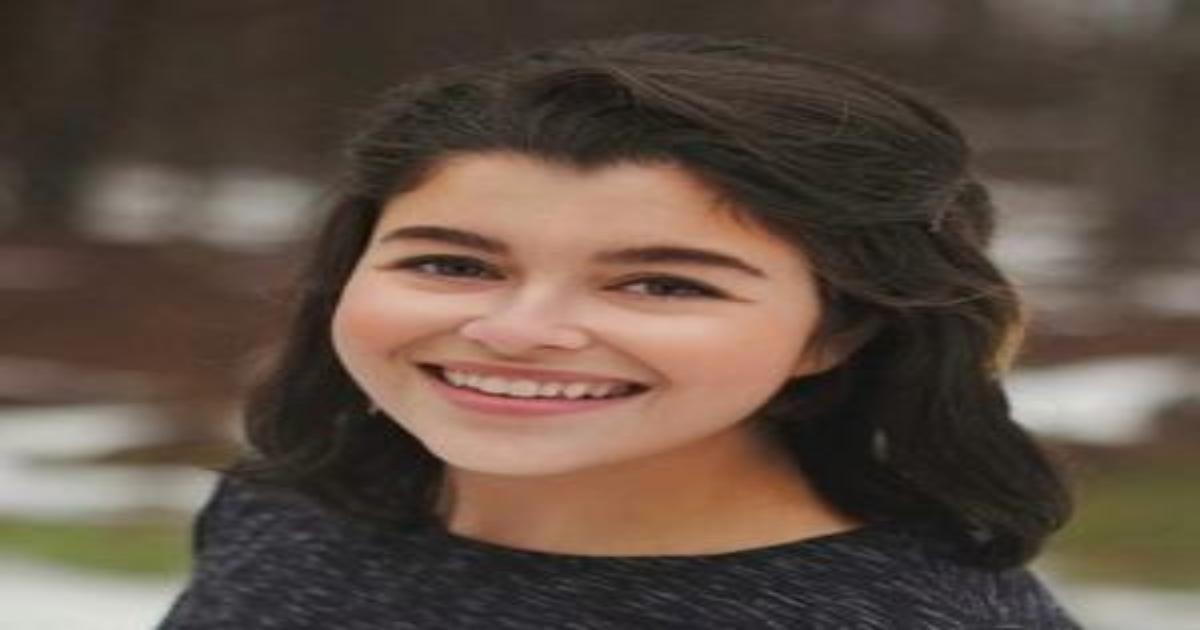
(576, 390)
(525, 388)
(551, 389)
(494, 385)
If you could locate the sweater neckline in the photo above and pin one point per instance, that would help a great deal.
(446, 537)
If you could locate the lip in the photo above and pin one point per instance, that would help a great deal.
(496, 405)
(531, 374)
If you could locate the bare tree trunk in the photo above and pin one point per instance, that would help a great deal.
(75, 64)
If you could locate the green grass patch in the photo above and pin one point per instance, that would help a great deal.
(155, 548)
(1135, 524)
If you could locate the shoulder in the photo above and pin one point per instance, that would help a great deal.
(257, 548)
(238, 511)
(908, 577)
(248, 528)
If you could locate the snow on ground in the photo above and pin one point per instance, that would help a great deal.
(246, 209)
(44, 597)
(1115, 608)
(1175, 293)
(37, 478)
(1101, 401)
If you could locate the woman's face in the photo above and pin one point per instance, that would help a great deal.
(503, 265)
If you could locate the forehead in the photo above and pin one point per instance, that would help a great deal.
(525, 199)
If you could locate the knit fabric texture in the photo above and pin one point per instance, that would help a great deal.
(271, 559)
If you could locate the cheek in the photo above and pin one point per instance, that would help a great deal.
(373, 318)
(360, 323)
(367, 330)
(746, 357)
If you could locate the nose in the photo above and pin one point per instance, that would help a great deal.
(525, 324)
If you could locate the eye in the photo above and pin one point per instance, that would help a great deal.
(673, 288)
(449, 266)
(464, 267)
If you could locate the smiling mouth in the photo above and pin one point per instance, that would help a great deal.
(626, 391)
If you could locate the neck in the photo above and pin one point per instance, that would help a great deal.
(725, 493)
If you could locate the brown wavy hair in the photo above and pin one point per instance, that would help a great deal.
(868, 180)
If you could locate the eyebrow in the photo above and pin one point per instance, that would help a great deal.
(647, 254)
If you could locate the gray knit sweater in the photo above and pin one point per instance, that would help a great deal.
(274, 560)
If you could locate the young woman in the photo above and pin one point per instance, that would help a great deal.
(655, 332)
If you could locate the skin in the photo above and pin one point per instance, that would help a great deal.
(675, 470)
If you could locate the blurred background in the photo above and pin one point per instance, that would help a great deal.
(161, 162)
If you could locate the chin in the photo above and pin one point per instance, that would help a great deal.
(513, 465)
(515, 469)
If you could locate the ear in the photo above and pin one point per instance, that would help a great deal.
(827, 353)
